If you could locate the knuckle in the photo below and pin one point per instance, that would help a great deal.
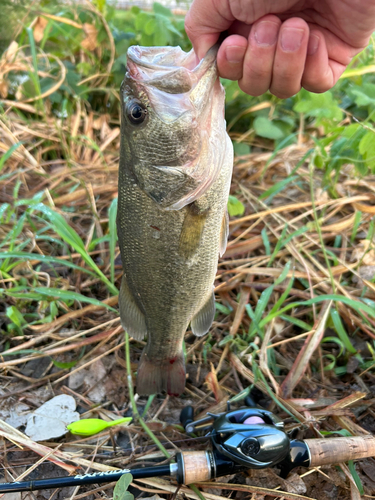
(228, 75)
(284, 93)
(316, 89)
(257, 73)
(318, 86)
(191, 26)
(251, 90)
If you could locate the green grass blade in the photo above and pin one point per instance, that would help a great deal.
(283, 297)
(133, 403)
(25, 256)
(8, 154)
(358, 306)
(34, 75)
(73, 239)
(66, 295)
(340, 330)
(279, 244)
(296, 321)
(266, 241)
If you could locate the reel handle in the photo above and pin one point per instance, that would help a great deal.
(187, 416)
(341, 449)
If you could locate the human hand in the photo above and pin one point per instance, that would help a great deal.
(282, 45)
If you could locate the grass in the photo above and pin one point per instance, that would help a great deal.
(295, 289)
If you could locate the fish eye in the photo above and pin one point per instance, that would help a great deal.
(136, 113)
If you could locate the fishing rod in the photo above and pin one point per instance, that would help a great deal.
(246, 438)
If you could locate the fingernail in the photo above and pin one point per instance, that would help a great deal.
(291, 39)
(234, 54)
(313, 45)
(265, 33)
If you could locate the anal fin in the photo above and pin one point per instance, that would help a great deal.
(224, 232)
(202, 321)
(132, 319)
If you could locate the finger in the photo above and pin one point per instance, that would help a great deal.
(259, 57)
(290, 58)
(230, 57)
(205, 21)
(321, 73)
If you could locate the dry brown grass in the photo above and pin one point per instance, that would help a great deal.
(79, 181)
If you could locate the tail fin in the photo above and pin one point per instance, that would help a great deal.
(155, 375)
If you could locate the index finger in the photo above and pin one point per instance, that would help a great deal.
(204, 23)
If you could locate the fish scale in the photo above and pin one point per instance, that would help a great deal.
(170, 256)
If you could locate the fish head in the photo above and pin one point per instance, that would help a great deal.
(173, 124)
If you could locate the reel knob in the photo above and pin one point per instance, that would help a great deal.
(250, 446)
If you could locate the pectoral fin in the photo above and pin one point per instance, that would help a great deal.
(224, 232)
(202, 321)
(192, 229)
(165, 185)
(132, 319)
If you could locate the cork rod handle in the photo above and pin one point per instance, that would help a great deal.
(196, 467)
(336, 450)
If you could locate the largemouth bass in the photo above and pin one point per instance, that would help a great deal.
(175, 170)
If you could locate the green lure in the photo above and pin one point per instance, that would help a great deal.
(91, 426)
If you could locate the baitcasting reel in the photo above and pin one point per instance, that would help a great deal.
(252, 438)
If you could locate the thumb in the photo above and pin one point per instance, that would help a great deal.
(204, 23)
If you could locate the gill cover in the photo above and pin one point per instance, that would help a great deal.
(185, 96)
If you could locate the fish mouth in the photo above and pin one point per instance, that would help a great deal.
(170, 69)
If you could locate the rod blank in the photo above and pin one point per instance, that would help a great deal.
(81, 479)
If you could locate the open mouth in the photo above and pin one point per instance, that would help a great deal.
(168, 69)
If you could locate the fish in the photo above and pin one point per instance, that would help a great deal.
(176, 162)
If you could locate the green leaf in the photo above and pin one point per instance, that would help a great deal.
(141, 20)
(277, 188)
(241, 149)
(150, 27)
(15, 316)
(321, 106)
(266, 128)
(223, 309)
(160, 9)
(364, 95)
(367, 148)
(160, 34)
(64, 366)
(235, 206)
(120, 491)
(341, 432)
